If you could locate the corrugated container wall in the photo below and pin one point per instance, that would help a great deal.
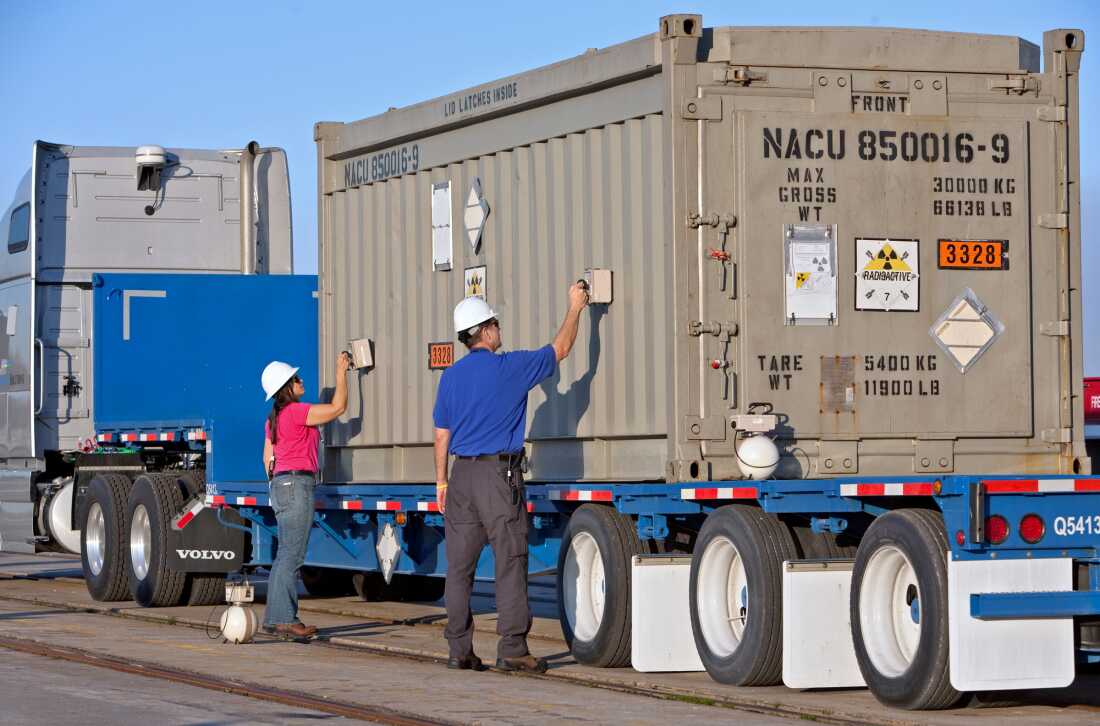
(871, 232)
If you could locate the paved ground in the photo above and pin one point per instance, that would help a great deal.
(36, 690)
(494, 697)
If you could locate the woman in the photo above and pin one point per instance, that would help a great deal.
(290, 459)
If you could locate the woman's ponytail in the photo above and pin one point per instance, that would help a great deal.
(283, 398)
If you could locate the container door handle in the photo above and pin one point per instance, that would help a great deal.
(41, 375)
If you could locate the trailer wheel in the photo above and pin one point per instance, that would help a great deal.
(736, 595)
(154, 500)
(103, 537)
(899, 610)
(594, 585)
(327, 581)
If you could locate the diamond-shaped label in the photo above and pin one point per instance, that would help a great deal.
(387, 549)
(477, 210)
(966, 330)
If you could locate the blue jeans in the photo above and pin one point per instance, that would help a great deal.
(292, 500)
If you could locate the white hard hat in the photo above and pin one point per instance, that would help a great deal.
(471, 312)
(275, 375)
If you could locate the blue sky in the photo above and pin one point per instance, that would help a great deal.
(218, 74)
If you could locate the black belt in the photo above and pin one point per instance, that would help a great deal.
(296, 472)
(491, 457)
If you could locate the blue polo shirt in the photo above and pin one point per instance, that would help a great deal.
(482, 398)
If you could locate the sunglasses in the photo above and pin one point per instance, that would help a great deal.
(296, 379)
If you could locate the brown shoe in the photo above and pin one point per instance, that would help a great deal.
(297, 630)
(527, 663)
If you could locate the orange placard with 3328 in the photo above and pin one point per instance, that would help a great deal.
(973, 254)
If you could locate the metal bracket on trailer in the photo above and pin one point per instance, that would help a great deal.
(1018, 605)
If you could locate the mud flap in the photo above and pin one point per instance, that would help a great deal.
(988, 655)
(817, 629)
(203, 544)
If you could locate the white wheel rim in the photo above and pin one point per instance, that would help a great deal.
(583, 587)
(94, 538)
(722, 597)
(890, 611)
(141, 537)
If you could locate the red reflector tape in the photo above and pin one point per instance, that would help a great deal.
(894, 489)
(581, 495)
(215, 500)
(184, 519)
(1044, 486)
(353, 504)
(196, 435)
(720, 493)
(127, 437)
(246, 501)
(388, 506)
(104, 437)
(427, 506)
(530, 507)
(168, 436)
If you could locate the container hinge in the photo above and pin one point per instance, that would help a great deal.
(1014, 85)
(741, 75)
(1055, 220)
(1057, 436)
(695, 220)
(1055, 328)
(1051, 113)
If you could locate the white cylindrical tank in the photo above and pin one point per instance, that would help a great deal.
(239, 624)
(758, 456)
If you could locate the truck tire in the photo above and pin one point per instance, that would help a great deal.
(736, 595)
(154, 500)
(103, 537)
(899, 610)
(594, 585)
(327, 581)
(204, 589)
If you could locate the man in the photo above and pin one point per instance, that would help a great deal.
(480, 414)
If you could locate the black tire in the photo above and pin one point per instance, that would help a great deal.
(369, 586)
(605, 644)
(327, 581)
(749, 653)
(821, 545)
(161, 498)
(106, 496)
(921, 681)
(204, 589)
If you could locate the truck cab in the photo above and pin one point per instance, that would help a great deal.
(80, 211)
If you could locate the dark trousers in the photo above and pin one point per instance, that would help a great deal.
(480, 508)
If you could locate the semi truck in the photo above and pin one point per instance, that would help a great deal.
(828, 397)
(132, 215)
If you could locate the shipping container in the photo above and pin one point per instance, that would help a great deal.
(873, 233)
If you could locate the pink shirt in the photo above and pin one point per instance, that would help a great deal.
(296, 448)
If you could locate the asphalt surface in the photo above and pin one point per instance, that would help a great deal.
(389, 655)
(35, 690)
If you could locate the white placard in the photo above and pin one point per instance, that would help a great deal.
(888, 275)
(441, 226)
(809, 274)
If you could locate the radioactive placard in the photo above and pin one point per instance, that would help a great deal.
(888, 275)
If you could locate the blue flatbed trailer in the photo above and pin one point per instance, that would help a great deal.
(1017, 552)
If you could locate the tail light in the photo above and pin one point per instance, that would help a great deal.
(1032, 528)
(996, 529)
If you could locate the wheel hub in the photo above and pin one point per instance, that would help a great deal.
(722, 596)
(889, 611)
(141, 537)
(95, 538)
(584, 586)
